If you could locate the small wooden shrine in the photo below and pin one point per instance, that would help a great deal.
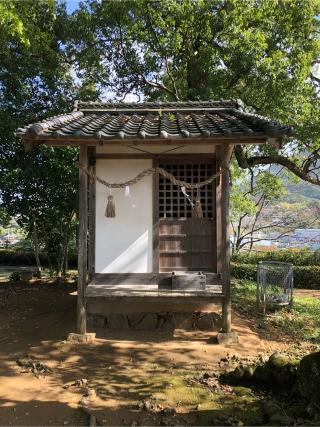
(153, 204)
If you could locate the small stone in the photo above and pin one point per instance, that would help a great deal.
(278, 360)
(263, 358)
(82, 382)
(309, 377)
(84, 401)
(238, 373)
(81, 338)
(65, 423)
(168, 412)
(248, 371)
(91, 393)
(147, 405)
(261, 373)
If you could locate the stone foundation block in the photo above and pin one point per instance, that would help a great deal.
(117, 321)
(96, 321)
(207, 321)
(81, 338)
(228, 338)
(165, 321)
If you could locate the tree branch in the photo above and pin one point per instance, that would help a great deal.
(249, 162)
(158, 86)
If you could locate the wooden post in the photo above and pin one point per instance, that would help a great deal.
(224, 258)
(218, 233)
(155, 216)
(92, 215)
(82, 247)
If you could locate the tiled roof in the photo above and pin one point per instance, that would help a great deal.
(153, 121)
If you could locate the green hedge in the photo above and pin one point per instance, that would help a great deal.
(11, 257)
(294, 256)
(304, 277)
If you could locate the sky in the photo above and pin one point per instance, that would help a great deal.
(72, 5)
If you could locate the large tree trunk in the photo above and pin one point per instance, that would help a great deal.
(66, 246)
(36, 245)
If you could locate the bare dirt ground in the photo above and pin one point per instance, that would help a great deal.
(122, 367)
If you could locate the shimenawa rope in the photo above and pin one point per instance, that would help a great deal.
(151, 171)
(196, 207)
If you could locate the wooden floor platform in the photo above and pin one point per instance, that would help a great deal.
(147, 285)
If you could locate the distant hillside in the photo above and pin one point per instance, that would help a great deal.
(302, 192)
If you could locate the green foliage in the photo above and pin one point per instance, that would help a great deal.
(4, 218)
(26, 258)
(36, 81)
(15, 276)
(247, 191)
(207, 49)
(301, 322)
(304, 277)
(251, 193)
(243, 271)
(160, 50)
(40, 190)
(301, 257)
(270, 185)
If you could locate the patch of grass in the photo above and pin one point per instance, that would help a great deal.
(301, 322)
(244, 296)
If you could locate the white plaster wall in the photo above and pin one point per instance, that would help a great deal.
(124, 243)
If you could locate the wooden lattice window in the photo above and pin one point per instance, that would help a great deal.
(172, 202)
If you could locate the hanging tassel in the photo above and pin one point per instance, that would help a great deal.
(111, 209)
(197, 209)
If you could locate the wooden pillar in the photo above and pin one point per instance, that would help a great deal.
(155, 217)
(82, 245)
(92, 214)
(224, 258)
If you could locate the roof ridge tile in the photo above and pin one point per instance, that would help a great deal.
(98, 121)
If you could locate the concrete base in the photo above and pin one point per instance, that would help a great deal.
(80, 338)
(228, 338)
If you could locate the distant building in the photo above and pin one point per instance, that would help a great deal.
(302, 238)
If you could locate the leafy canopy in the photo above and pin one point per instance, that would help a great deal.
(262, 51)
(35, 82)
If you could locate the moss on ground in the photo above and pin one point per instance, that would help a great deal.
(203, 406)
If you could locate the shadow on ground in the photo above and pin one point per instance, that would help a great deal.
(124, 367)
